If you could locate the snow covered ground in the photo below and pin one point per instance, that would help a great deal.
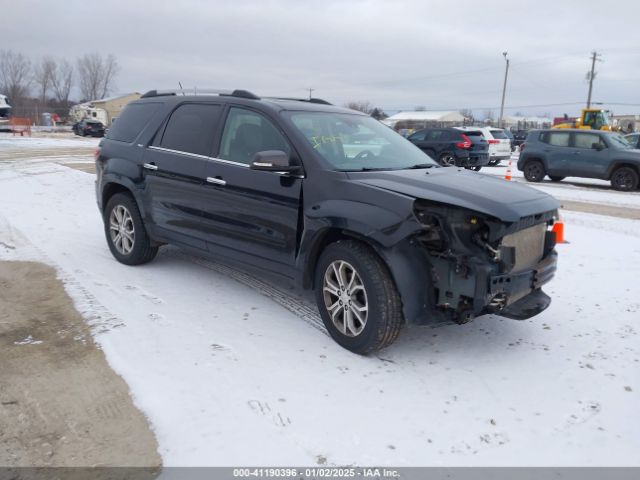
(237, 370)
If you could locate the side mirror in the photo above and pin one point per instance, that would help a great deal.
(597, 146)
(272, 161)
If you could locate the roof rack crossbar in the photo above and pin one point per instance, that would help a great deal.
(200, 91)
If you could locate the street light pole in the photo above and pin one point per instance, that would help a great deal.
(504, 89)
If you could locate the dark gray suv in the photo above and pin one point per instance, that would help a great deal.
(580, 153)
(329, 199)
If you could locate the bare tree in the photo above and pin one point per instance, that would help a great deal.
(43, 74)
(363, 106)
(488, 116)
(62, 81)
(15, 75)
(468, 115)
(96, 75)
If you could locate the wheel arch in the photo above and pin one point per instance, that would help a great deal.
(408, 265)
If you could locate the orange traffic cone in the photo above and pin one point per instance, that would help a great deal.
(507, 175)
(558, 228)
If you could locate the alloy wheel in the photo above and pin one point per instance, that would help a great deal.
(345, 298)
(623, 180)
(121, 229)
(447, 160)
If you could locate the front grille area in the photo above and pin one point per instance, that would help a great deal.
(529, 246)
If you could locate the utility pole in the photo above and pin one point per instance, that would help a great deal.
(504, 89)
(310, 91)
(592, 74)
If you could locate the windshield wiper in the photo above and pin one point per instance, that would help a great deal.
(367, 169)
(421, 165)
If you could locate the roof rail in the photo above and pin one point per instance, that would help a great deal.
(308, 100)
(201, 91)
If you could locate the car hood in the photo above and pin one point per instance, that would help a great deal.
(507, 200)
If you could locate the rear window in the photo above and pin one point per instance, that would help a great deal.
(499, 134)
(131, 121)
(473, 133)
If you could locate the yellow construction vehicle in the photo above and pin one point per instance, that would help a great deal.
(591, 119)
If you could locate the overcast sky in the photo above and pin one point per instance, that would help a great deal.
(396, 54)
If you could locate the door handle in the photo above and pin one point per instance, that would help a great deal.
(216, 181)
(576, 152)
(150, 166)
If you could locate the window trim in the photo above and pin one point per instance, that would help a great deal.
(196, 155)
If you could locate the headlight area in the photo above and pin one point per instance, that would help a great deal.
(481, 264)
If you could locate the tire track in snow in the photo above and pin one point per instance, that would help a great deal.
(298, 306)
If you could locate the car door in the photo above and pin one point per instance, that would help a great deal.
(590, 157)
(174, 166)
(557, 150)
(419, 139)
(251, 215)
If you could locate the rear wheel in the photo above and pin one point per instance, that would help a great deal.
(125, 231)
(447, 159)
(624, 179)
(357, 298)
(555, 178)
(534, 171)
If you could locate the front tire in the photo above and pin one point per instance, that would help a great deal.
(125, 231)
(357, 298)
(624, 179)
(534, 171)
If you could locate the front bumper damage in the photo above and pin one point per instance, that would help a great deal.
(504, 278)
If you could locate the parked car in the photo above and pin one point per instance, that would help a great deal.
(327, 198)
(580, 153)
(633, 139)
(451, 147)
(89, 127)
(519, 136)
(499, 143)
(510, 137)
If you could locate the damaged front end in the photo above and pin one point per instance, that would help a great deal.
(481, 264)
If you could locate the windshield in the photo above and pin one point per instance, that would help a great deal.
(619, 141)
(356, 142)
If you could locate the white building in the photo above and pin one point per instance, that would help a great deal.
(423, 119)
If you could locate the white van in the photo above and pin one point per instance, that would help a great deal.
(499, 143)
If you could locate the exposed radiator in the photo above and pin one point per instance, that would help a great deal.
(529, 246)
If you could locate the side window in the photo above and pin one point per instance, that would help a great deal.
(586, 140)
(557, 139)
(191, 128)
(434, 135)
(418, 136)
(246, 133)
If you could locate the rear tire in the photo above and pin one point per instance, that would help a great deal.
(534, 171)
(125, 231)
(556, 178)
(357, 298)
(624, 179)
